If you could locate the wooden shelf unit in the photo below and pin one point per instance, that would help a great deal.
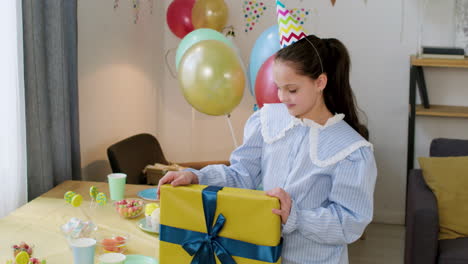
(417, 80)
(442, 111)
(448, 63)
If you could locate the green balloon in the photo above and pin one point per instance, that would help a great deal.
(197, 36)
(211, 77)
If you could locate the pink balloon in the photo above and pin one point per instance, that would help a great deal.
(266, 91)
(179, 17)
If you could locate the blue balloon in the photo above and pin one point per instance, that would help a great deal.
(266, 45)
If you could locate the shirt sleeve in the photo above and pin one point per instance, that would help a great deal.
(245, 168)
(350, 206)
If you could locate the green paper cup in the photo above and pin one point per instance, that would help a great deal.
(117, 186)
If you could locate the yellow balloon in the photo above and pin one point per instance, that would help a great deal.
(210, 14)
(211, 77)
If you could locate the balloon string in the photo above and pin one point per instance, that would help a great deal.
(167, 63)
(191, 132)
(232, 130)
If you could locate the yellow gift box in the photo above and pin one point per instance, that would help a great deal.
(248, 218)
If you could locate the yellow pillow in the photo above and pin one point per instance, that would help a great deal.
(447, 177)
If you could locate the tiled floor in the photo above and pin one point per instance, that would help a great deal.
(384, 244)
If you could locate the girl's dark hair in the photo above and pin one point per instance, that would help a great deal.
(338, 95)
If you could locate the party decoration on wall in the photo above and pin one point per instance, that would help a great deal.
(212, 83)
(179, 17)
(290, 30)
(300, 14)
(136, 8)
(334, 1)
(253, 10)
(267, 44)
(210, 14)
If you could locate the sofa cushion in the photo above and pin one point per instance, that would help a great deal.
(447, 177)
(453, 251)
(445, 147)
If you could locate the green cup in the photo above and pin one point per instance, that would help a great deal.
(117, 186)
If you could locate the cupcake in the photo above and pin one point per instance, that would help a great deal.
(149, 208)
(155, 216)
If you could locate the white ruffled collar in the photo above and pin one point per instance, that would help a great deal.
(311, 123)
(276, 122)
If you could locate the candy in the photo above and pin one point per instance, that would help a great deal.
(68, 196)
(73, 198)
(101, 198)
(117, 244)
(22, 247)
(22, 258)
(129, 208)
(76, 228)
(93, 192)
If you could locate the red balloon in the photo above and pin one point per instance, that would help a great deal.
(179, 17)
(266, 91)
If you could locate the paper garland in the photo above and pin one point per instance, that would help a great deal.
(253, 10)
(136, 8)
(334, 1)
(300, 14)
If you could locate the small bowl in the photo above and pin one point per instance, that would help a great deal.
(114, 243)
(130, 208)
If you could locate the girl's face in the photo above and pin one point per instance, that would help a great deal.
(301, 94)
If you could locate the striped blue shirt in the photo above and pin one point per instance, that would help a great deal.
(329, 171)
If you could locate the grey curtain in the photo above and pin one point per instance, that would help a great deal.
(51, 90)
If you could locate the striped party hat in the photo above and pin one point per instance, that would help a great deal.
(290, 30)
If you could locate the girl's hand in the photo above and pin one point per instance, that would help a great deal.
(285, 203)
(177, 178)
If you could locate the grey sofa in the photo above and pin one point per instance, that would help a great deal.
(422, 222)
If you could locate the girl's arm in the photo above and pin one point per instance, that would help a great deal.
(350, 206)
(245, 168)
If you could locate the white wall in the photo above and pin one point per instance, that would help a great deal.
(125, 86)
(117, 65)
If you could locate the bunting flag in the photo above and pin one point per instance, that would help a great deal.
(290, 30)
(300, 14)
(253, 10)
(136, 10)
(334, 1)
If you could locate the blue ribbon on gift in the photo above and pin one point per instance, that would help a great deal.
(204, 246)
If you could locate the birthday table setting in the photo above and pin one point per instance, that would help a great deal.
(83, 222)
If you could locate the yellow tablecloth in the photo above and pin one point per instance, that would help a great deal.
(38, 222)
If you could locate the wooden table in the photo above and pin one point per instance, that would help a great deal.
(38, 222)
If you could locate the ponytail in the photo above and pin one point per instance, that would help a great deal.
(338, 95)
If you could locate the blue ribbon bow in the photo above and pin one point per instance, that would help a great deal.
(204, 246)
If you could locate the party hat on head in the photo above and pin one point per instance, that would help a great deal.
(290, 30)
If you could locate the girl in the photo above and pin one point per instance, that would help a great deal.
(310, 152)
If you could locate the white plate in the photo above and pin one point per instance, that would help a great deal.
(142, 225)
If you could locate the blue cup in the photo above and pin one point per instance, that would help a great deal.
(83, 250)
